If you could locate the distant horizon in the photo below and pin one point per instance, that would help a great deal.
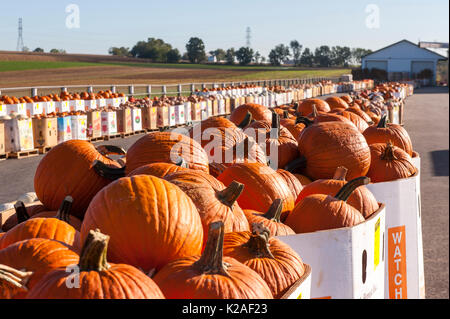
(83, 27)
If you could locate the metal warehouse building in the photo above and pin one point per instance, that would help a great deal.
(402, 59)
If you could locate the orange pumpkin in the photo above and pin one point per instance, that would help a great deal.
(211, 275)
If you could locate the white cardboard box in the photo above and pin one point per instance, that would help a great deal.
(136, 119)
(35, 108)
(179, 114)
(18, 135)
(403, 243)
(79, 127)
(50, 107)
(109, 123)
(90, 104)
(348, 262)
(77, 105)
(187, 111)
(20, 108)
(3, 110)
(62, 106)
(172, 115)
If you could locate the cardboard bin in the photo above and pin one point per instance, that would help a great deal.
(347, 262)
(404, 270)
(45, 131)
(18, 135)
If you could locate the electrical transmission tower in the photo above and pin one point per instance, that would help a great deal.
(248, 37)
(20, 45)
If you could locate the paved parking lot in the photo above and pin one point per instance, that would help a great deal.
(427, 121)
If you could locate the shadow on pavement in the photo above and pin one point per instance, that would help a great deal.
(440, 162)
(432, 89)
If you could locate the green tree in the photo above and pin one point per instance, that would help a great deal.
(322, 56)
(357, 54)
(257, 57)
(244, 55)
(296, 51)
(173, 56)
(153, 49)
(196, 50)
(307, 58)
(219, 54)
(58, 51)
(340, 56)
(279, 54)
(38, 50)
(122, 51)
(229, 56)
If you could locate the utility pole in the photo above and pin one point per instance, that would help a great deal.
(248, 37)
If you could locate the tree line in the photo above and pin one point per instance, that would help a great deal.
(324, 56)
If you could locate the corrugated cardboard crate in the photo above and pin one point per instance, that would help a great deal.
(403, 243)
(348, 262)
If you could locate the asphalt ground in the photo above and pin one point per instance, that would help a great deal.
(426, 120)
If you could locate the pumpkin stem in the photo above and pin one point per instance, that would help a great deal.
(274, 211)
(340, 173)
(388, 154)
(10, 277)
(64, 210)
(229, 195)
(246, 121)
(21, 212)
(93, 253)
(285, 114)
(346, 190)
(304, 120)
(314, 112)
(258, 244)
(275, 129)
(108, 172)
(382, 122)
(211, 261)
(296, 165)
(110, 149)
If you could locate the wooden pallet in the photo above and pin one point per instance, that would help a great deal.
(3, 157)
(140, 132)
(127, 134)
(148, 130)
(96, 139)
(112, 137)
(24, 154)
(44, 149)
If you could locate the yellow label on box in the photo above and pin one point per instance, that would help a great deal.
(376, 252)
(299, 296)
(49, 124)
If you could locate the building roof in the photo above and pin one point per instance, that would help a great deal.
(441, 57)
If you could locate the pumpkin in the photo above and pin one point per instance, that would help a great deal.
(276, 262)
(22, 215)
(150, 221)
(39, 256)
(361, 198)
(270, 219)
(50, 228)
(384, 133)
(211, 122)
(389, 163)
(336, 102)
(13, 282)
(347, 98)
(306, 106)
(293, 126)
(160, 169)
(322, 212)
(258, 112)
(304, 180)
(358, 121)
(262, 186)
(293, 182)
(281, 146)
(166, 147)
(67, 170)
(97, 278)
(327, 145)
(211, 275)
(213, 200)
(361, 114)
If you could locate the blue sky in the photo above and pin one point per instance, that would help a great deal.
(221, 23)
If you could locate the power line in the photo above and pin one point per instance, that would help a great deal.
(20, 45)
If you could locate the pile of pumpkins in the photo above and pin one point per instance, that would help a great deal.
(172, 219)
